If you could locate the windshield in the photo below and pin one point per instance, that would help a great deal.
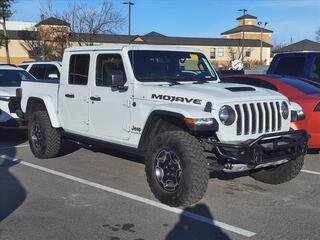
(13, 78)
(170, 66)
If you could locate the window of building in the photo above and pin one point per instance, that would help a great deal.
(315, 69)
(212, 53)
(248, 52)
(108, 65)
(290, 66)
(79, 69)
(220, 52)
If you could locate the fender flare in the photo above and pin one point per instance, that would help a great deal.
(50, 108)
(180, 112)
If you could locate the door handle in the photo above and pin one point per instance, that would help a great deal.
(69, 95)
(94, 98)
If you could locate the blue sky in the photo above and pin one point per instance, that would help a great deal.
(296, 19)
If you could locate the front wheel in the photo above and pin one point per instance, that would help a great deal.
(280, 174)
(44, 140)
(176, 168)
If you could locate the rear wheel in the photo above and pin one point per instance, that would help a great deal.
(44, 140)
(280, 174)
(176, 168)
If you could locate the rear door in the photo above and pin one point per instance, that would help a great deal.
(109, 106)
(74, 94)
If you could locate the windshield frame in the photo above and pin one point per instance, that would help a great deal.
(175, 79)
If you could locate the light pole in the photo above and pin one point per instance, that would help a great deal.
(243, 23)
(129, 3)
(261, 35)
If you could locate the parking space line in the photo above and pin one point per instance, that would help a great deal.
(309, 171)
(178, 211)
(17, 146)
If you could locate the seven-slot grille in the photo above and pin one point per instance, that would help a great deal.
(262, 117)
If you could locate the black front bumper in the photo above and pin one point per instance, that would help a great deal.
(266, 148)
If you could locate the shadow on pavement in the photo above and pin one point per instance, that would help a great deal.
(228, 176)
(12, 193)
(12, 137)
(189, 229)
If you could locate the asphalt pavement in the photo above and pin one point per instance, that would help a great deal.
(103, 194)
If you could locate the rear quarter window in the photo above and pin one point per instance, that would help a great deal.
(79, 69)
(290, 66)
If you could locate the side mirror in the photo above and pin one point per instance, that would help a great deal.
(117, 80)
(53, 76)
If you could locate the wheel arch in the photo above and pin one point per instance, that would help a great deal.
(45, 104)
(160, 121)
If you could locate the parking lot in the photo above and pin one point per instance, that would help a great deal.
(103, 194)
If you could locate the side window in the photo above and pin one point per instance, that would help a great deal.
(38, 71)
(23, 66)
(290, 66)
(52, 72)
(108, 65)
(79, 69)
(315, 69)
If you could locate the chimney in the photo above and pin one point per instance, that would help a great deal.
(42, 17)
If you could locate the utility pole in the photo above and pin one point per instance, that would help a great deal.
(244, 11)
(129, 3)
(261, 35)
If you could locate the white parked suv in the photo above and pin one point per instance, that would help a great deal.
(10, 80)
(169, 103)
(45, 71)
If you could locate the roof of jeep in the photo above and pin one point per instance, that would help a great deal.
(131, 47)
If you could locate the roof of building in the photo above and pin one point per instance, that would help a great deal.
(151, 38)
(247, 16)
(53, 21)
(246, 28)
(304, 45)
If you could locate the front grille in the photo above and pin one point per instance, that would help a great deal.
(253, 118)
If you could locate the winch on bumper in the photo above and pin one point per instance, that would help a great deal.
(266, 150)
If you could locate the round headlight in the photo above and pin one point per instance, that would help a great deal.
(227, 115)
(284, 110)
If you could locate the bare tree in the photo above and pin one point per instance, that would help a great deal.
(318, 35)
(233, 53)
(47, 43)
(86, 22)
(5, 13)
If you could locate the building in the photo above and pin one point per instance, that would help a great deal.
(220, 51)
(302, 46)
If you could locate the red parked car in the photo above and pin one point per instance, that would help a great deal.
(304, 92)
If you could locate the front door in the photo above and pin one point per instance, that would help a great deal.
(109, 106)
(74, 95)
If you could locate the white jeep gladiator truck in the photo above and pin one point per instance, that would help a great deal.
(168, 103)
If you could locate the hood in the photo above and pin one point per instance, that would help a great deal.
(217, 93)
(8, 91)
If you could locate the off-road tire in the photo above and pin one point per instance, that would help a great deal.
(51, 144)
(195, 174)
(279, 174)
